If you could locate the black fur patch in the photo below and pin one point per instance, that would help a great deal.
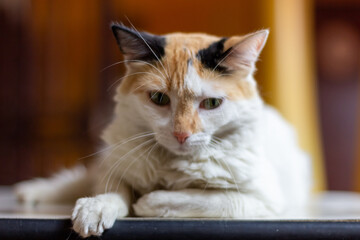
(211, 56)
(135, 44)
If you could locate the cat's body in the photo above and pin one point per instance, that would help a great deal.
(191, 137)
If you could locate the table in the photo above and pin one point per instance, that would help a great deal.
(332, 215)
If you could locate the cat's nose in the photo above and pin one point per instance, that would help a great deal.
(181, 136)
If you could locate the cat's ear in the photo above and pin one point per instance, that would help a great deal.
(240, 52)
(138, 45)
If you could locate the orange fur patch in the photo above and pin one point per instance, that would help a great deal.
(186, 118)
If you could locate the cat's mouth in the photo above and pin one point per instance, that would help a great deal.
(183, 150)
(187, 148)
(192, 145)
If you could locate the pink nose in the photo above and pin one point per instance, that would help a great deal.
(181, 136)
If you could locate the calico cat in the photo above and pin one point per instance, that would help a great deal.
(190, 137)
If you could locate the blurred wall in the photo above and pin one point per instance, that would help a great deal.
(338, 60)
(51, 53)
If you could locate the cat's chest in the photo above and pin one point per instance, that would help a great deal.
(143, 176)
(175, 174)
(184, 173)
(158, 171)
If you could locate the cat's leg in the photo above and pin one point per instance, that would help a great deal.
(92, 215)
(208, 203)
(64, 187)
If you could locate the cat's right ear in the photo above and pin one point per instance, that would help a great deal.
(244, 51)
(137, 45)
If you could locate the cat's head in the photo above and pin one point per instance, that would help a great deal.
(188, 87)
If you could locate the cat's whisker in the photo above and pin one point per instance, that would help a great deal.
(167, 66)
(147, 157)
(132, 25)
(166, 137)
(136, 61)
(214, 140)
(232, 175)
(131, 74)
(133, 91)
(119, 79)
(209, 74)
(219, 163)
(156, 91)
(132, 163)
(100, 151)
(115, 165)
(146, 160)
(207, 149)
(161, 77)
(223, 59)
(69, 235)
(218, 76)
(111, 65)
(218, 139)
(109, 147)
(229, 170)
(118, 162)
(214, 143)
(123, 143)
(223, 75)
(137, 136)
(207, 183)
(145, 84)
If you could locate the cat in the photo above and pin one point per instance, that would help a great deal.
(190, 137)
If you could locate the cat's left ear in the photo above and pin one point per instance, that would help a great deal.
(244, 51)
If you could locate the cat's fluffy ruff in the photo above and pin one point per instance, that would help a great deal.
(241, 161)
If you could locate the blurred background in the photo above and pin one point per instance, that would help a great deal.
(55, 98)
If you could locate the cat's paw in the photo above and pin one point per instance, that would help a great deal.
(91, 216)
(31, 191)
(155, 204)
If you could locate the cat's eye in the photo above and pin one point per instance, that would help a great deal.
(211, 103)
(159, 98)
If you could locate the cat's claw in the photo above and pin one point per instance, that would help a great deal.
(91, 216)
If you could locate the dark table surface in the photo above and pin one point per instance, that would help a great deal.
(331, 215)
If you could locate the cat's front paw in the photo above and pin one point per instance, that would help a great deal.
(91, 216)
(155, 204)
(32, 191)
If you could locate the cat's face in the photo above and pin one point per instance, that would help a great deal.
(187, 87)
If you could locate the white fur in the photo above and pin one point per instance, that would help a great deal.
(255, 169)
(65, 186)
